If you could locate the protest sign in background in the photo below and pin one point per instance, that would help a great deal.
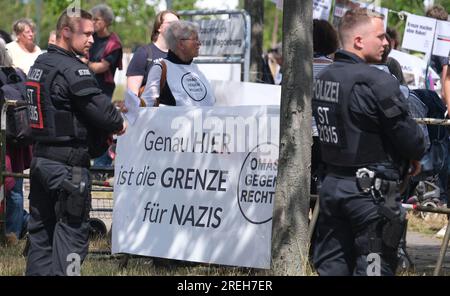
(419, 33)
(414, 69)
(222, 36)
(442, 39)
(321, 9)
(341, 6)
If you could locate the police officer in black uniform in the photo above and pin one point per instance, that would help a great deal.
(69, 115)
(368, 141)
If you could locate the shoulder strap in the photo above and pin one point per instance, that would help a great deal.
(162, 83)
(3, 77)
(148, 62)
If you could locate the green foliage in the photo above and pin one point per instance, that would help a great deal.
(270, 10)
(133, 17)
(183, 4)
(412, 6)
(444, 3)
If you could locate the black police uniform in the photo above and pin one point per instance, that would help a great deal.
(363, 122)
(67, 112)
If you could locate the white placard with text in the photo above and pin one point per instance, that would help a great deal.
(419, 33)
(198, 184)
(321, 9)
(442, 39)
(222, 37)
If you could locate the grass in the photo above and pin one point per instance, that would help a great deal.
(98, 262)
(430, 225)
(12, 263)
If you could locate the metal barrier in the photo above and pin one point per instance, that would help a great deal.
(444, 245)
(104, 206)
(101, 208)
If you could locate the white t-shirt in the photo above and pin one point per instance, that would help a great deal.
(22, 59)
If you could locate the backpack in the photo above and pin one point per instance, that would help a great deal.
(12, 87)
(434, 159)
(162, 83)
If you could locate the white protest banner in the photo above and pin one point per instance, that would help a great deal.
(198, 184)
(442, 39)
(413, 69)
(232, 93)
(321, 9)
(419, 33)
(222, 37)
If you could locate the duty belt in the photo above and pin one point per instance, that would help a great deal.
(67, 155)
(380, 171)
(341, 171)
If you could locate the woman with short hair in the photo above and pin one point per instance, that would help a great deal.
(105, 55)
(23, 50)
(185, 84)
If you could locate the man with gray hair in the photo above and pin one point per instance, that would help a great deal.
(23, 50)
(105, 56)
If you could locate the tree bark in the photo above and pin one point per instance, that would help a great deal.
(256, 10)
(290, 221)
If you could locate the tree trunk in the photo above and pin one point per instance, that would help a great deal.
(290, 221)
(256, 10)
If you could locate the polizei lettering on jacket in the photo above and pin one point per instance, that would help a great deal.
(326, 90)
(326, 111)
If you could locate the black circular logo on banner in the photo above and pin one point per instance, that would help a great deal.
(194, 87)
(257, 183)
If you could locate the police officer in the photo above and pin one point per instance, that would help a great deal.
(67, 113)
(365, 131)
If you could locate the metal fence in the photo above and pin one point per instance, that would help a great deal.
(101, 207)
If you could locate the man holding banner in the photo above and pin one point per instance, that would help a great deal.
(367, 139)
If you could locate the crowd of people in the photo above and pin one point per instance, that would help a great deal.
(70, 89)
(364, 138)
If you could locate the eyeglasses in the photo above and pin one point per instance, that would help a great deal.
(97, 19)
(193, 39)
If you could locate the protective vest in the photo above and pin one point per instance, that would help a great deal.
(344, 144)
(187, 86)
(50, 112)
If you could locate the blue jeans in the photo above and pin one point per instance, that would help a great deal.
(16, 216)
(103, 161)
